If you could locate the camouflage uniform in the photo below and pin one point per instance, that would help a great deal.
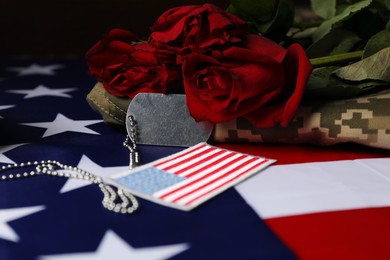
(364, 120)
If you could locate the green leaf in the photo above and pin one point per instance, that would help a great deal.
(375, 67)
(231, 9)
(348, 12)
(319, 78)
(252, 26)
(347, 43)
(322, 85)
(365, 23)
(337, 41)
(325, 9)
(387, 4)
(257, 9)
(376, 43)
(281, 23)
(273, 24)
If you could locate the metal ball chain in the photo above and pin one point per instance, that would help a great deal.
(116, 200)
(131, 144)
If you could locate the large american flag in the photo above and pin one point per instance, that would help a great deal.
(313, 203)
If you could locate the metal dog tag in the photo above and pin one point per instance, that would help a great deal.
(165, 120)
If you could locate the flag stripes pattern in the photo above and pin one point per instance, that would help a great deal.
(201, 171)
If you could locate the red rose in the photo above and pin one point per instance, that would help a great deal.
(263, 82)
(127, 68)
(110, 50)
(199, 29)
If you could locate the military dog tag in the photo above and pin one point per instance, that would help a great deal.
(165, 120)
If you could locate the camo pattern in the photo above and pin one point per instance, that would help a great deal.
(113, 109)
(364, 120)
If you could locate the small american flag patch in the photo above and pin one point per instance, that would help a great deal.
(188, 178)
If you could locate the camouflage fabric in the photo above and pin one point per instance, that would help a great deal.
(112, 108)
(364, 120)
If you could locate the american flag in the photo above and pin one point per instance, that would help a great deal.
(312, 203)
(190, 177)
(44, 116)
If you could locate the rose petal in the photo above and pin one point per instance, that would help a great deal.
(298, 69)
(257, 49)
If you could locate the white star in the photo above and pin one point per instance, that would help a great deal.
(90, 166)
(41, 90)
(36, 69)
(63, 124)
(4, 149)
(114, 247)
(6, 215)
(5, 107)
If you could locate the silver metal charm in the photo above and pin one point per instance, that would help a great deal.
(165, 120)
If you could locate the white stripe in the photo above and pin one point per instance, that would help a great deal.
(293, 189)
(212, 186)
(196, 177)
(206, 180)
(189, 163)
(208, 162)
(181, 158)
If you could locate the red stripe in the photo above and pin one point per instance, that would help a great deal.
(290, 153)
(223, 158)
(349, 234)
(185, 160)
(180, 155)
(223, 184)
(205, 176)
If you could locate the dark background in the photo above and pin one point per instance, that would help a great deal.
(45, 28)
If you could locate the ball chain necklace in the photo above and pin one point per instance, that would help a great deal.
(114, 199)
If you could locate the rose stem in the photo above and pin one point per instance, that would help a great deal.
(336, 59)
